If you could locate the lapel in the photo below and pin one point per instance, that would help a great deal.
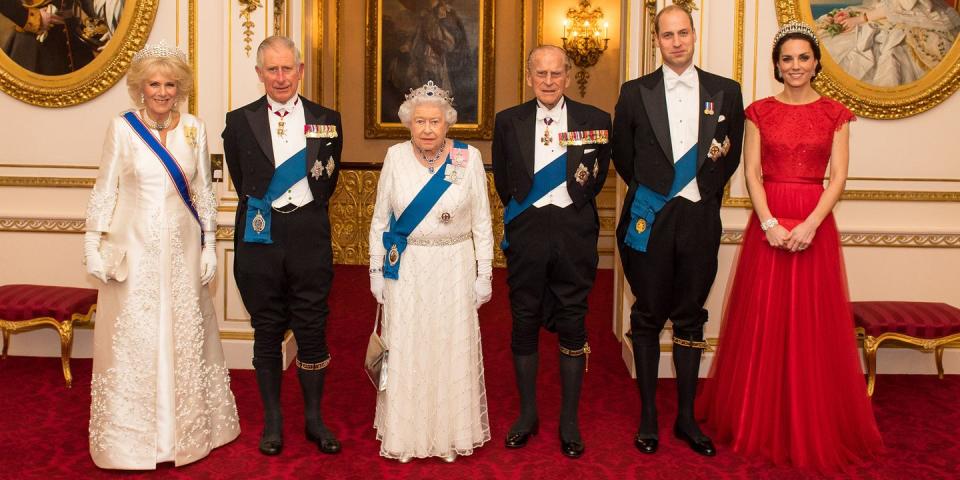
(260, 125)
(654, 97)
(708, 123)
(575, 122)
(312, 117)
(525, 127)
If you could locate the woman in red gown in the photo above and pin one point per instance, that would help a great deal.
(787, 383)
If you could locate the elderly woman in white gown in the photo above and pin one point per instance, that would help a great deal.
(160, 388)
(887, 43)
(432, 223)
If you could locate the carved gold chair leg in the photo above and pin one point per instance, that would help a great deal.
(66, 349)
(938, 353)
(6, 342)
(870, 346)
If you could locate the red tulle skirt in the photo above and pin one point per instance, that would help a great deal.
(786, 381)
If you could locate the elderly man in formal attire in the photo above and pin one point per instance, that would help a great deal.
(550, 159)
(283, 153)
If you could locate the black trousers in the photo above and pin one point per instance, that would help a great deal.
(672, 279)
(284, 285)
(551, 265)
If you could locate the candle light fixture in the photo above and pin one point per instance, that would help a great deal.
(584, 39)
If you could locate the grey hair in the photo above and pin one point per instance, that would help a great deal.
(542, 48)
(408, 106)
(277, 41)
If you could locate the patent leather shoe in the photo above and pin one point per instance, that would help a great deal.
(646, 445)
(703, 446)
(519, 439)
(572, 449)
(270, 446)
(326, 444)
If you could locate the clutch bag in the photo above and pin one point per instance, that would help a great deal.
(375, 361)
(114, 261)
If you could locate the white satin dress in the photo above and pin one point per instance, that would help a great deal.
(160, 388)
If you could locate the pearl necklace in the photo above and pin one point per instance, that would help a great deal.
(158, 126)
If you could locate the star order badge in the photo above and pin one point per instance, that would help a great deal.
(716, 150)
(316, 170)
(258, 223)
(581, 175)
(596, 168)
(725, 147)
(331, 165)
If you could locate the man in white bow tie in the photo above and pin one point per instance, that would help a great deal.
(677, 135)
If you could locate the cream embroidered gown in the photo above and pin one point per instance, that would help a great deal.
(160, 388)
(435, 402)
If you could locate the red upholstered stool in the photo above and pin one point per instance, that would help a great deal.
(927, 325)
(27, 306)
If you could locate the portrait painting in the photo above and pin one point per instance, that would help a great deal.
(884, 59)
(50, 48)
(411, 42)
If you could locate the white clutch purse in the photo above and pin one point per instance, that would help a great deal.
(114, 261)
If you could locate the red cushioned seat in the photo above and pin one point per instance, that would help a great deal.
(928, 325)
(27, 306)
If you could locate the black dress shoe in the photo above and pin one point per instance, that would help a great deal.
(327, 444)
(645, 445)
(703, 446)
(270, 446)
(572, 449)
(519, 439)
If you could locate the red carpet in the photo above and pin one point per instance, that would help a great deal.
(43, 431)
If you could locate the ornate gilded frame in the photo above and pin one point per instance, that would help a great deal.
(375, 127)
(882, 103)
(94, 78)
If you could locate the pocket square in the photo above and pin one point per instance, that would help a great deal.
(721, 118)
(589, 150)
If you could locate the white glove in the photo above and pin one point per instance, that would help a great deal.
(208, 257)
(91, 256)
(376, 278)
(482, 287)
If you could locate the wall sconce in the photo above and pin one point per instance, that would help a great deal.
(584, 39)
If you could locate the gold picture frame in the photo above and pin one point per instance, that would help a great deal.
(92, 79)
(395, 63)
(868, 99)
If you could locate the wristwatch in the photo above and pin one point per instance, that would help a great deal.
(769, 223)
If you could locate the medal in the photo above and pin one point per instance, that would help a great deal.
(641, 225)
(258, 223)
(708, 108)
(394, 256)
(547, 139)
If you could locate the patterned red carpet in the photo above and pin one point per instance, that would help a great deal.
(43, 426)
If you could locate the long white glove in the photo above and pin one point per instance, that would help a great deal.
(91, 256)
(208, 257)
(376, 278)
(482, 287)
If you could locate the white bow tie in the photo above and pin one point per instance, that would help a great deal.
(687, 79)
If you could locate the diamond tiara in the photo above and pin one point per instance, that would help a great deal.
(160, 50)
(430, 90)
(794, 26)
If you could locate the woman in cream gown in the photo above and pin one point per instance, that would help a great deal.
(160, 388)
(435, 403)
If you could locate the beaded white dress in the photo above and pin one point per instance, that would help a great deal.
(435, 401)
(160, 388)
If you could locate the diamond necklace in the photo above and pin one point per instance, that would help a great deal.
(432, 161)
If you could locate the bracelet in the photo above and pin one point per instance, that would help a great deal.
(769, 223)
(375, 271)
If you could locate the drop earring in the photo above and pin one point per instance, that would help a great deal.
(142, 99)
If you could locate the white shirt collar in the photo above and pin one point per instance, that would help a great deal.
(671, 79)
(275, 106)
(555, 112)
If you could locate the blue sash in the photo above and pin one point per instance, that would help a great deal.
(169, 164)
(646, 203)
(544, 181)
(395, 239)
(257, 229)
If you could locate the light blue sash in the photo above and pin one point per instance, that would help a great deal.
(647, 203)
(544, 181)
(395, 239)
(257, 229)
(169, 163)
